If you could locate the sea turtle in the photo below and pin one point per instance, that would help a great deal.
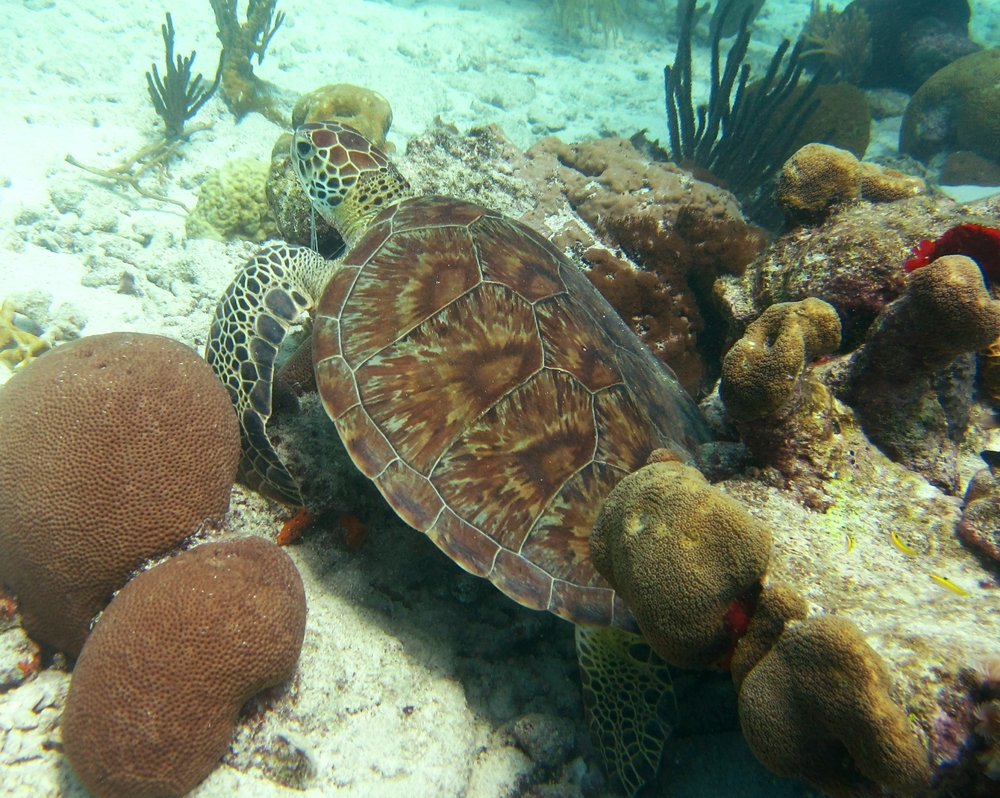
(485, 386)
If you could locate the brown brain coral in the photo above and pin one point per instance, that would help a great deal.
(818, 177)
(159, 684)
(817, 708)
(681, 553)
(115, 448)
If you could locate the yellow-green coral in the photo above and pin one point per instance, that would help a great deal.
(760, 371)
(17, 347)
(680, 552)
(817, 707)
(818, 177)
(232, 204)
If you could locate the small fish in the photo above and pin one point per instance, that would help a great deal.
(944, 581)
(897, 541)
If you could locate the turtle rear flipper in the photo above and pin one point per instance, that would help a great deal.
(274, 290)
(629, 698)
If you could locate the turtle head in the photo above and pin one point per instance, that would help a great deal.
(347, 178)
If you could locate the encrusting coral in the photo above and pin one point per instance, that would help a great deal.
(679, 234)
(817, 707)
(687, 559)
(115, 448)
(158, 687)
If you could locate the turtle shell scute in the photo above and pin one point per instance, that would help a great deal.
(493, 395)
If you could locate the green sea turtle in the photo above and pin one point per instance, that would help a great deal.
(484, 385)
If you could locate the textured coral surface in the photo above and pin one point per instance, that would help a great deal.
(116, 448)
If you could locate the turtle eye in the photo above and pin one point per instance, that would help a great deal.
(304, 149)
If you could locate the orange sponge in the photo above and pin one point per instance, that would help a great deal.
(159, 684)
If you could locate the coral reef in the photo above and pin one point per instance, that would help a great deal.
(159, 684)
(817, 707)
(232, 204)
(851, 261)
(116, 448)
(818, 177)
(910, 383)
(243, 91)
(685, 557)
(958, 108)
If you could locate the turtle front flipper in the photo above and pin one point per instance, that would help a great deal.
(629, 698)
(274, 290)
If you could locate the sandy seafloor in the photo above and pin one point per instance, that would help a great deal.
(412, 672)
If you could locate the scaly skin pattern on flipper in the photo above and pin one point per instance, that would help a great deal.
(629, 698)
(273, 291)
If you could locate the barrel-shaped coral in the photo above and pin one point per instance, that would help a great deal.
(684, 556)
(760, 371)
(817, 708)
(158, 687)
(115, 448)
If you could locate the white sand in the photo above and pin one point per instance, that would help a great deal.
(410, 667)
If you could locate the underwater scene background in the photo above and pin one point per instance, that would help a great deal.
(794, 205)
